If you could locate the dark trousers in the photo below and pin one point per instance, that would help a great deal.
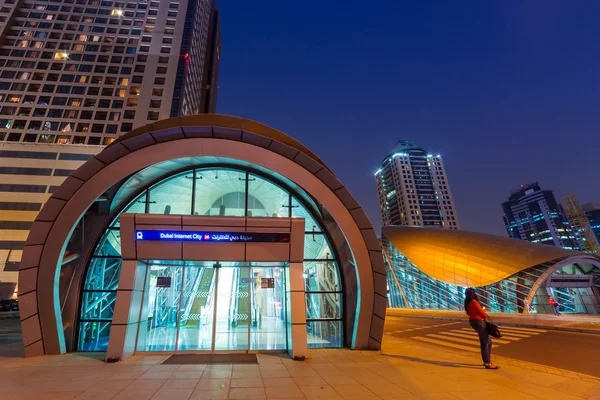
(485, 340)
(556, 309)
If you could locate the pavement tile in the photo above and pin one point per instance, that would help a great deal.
(209, 394)
(247, 393)
(578, 387)
(33, 395)
(161, 375)
(247, 382)
(117, 384)
(279, 382)
(309, 381)
(290, 392)
(192, 368)
(180, 384)
(219, 367)
(494, 395)
(95, 395)
(212, 374)
(294, 372)
(340, 380)
(142, 394)
(352, 390)
(141, 384)
(319, 392)
(213, 384)
(173, 394)
(186, 375)
(436, 396)
(246, 374)
(126, 375)
(275, 373)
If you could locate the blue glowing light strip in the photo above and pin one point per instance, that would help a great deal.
(194, 236)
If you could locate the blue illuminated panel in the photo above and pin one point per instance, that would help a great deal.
(193, 236)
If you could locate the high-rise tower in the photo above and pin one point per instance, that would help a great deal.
(580, 224)
(534, 214)
(414, 190)
(76, 74)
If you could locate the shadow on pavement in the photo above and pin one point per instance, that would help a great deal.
(435, 362)
(11, 341)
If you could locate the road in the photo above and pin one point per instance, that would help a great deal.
(577, 352)
(11, 344)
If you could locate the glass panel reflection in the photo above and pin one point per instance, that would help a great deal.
(173, 196)
(137, 206)
(220, 191)
(324, 334)
(321, 276)
(197, 306)
(93, 335)
(316, 247)
(161, 302)
(233, 306)
(98, 305)
(266, 199)
(110, 244)
(323, 305)
(299, 211)
(103, 274)
(268, 326)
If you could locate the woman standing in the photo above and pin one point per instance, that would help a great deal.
(555, 306)
(477, 316)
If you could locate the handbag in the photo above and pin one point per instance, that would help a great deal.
(493, 329)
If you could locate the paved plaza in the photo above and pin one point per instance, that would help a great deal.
(566, 322)
(404, 369)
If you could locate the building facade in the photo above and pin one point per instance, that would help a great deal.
(206, 233)
(77, 74)
(413, 189)
(580, 225)
(430, 269)
(592, 212)
(534, 215)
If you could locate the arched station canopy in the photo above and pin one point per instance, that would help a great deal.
(156, 150)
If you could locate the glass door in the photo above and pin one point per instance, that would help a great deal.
(268, 311)
(212, 307)
(197, 307)
(233, 309)
(159, 314)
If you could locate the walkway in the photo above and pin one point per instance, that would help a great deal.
(566, 322)
(403, 370)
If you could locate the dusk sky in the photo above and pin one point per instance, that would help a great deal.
(508, 92)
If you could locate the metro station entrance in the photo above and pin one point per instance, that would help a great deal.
(202, 306)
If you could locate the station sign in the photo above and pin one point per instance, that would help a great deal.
(193, 236)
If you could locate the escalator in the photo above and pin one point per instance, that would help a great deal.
(201, 293)
(239, 312)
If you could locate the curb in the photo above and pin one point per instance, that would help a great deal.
(533, 326)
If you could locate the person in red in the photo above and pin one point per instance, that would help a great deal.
(477, 317)
(555, 306)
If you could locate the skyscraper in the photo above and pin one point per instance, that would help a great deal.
(592, 212)
(534, 214)
(413, 188)
(76, 74)
(580, 225)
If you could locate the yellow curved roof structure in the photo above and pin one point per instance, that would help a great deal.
(222, 121)
(468, 258)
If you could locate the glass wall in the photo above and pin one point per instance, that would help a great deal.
(409, 287)
(223, 192)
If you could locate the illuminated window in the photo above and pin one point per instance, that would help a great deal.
(61, 56)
